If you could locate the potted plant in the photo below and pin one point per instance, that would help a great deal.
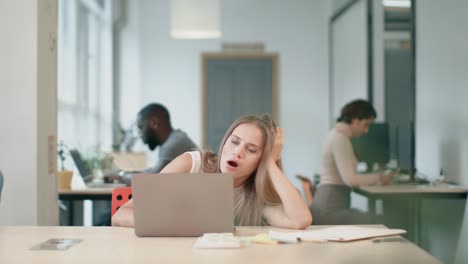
(64, 176)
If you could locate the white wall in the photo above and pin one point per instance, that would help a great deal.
(442, 88)
(28, 112)
(338, 4)
(442, 116)
(378, 66)
(352, 66)
(297, 31)
(129, 55)
(349, 54)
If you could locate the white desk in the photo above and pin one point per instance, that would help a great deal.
(120, 245)
(437, 191)
(413, 194)
(85, 194)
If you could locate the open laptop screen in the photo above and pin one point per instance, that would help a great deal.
(80, 164)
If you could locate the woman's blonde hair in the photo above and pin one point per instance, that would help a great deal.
(258, 189)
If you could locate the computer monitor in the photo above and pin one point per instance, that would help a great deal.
(81, 165)
(373, 147)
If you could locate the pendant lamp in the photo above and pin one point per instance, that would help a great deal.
(195, 19)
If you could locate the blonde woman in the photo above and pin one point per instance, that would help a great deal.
(250, 151)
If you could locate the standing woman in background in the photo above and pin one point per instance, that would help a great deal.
(331, 205)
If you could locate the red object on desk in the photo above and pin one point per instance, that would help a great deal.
(119, 197)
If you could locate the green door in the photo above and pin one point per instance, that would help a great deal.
(235, 86)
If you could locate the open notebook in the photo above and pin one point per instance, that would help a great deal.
(336, 233)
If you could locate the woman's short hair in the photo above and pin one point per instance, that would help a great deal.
(360, 109)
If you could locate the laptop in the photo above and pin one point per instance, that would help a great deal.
(87, 175)
(182, 205)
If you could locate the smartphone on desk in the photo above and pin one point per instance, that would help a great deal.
(394, 172)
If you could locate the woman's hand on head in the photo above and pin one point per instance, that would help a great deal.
(275, 154)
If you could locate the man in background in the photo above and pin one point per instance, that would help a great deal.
(156, 131)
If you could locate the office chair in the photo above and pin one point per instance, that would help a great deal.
(119, 197)
(308, 187)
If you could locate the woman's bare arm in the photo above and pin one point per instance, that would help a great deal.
(293, 211)
(124, 216)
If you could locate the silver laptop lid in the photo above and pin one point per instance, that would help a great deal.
(169, 205)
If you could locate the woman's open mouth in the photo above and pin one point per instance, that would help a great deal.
(233, 163)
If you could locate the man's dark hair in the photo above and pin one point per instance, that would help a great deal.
(360, 109)
(157, 110)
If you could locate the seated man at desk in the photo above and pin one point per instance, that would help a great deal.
(155, 128)
(331, 204)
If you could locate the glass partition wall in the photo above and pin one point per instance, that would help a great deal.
(372, 57)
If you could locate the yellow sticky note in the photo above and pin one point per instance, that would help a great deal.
(263, 239)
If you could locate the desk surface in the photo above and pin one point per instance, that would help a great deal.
(85, 194)
(85, 191)
(120, 245)
(414, 189)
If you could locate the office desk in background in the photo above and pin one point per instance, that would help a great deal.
(120, 245)
(93, 194)
(85, 194)
(413, 195)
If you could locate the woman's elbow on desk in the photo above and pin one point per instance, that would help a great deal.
(123, 217)
(305, 221)
(301, 222)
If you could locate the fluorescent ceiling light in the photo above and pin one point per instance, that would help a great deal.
(397, 3)
(192, 19)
